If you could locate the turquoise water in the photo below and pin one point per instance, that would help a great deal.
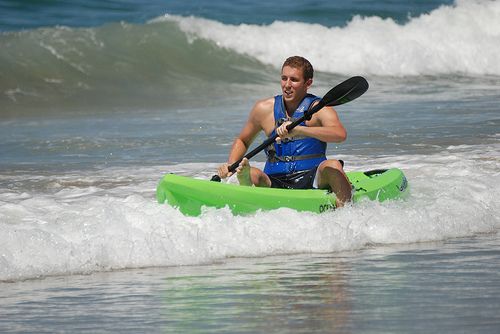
(98, 100)
(16, 15)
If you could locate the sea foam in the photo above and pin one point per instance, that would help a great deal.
(71, 226)
(460, 39)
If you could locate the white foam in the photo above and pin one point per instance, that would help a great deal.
(92, 224)
(459, 39)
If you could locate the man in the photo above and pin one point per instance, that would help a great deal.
(297, 159)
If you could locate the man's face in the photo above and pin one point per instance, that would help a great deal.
(293, 85)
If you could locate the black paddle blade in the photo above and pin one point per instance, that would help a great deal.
(346, 91)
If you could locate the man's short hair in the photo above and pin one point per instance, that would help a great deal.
(302, 63)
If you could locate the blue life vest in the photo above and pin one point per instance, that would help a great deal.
(293, 154)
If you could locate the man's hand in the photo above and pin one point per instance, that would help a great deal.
(223, 171)
(282, 131)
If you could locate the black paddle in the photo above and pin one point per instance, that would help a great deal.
(344, 92)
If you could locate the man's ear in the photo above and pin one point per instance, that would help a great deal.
(309, 82)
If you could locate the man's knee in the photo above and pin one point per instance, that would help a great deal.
(332, 163)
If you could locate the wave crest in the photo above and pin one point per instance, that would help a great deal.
(461, 39)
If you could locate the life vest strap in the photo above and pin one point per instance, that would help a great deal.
(289, 158)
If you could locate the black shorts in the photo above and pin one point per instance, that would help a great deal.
(298, 180)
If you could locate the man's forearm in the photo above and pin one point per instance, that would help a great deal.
(238, 150)
(328, 134)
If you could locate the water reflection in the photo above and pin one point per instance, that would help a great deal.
(272, 294)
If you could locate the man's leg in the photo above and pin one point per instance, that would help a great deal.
(331, 176)
(248, 175)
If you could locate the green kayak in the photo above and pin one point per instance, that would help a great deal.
(189, 195)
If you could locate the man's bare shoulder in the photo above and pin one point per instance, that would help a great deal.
(263, 107)
(265, 104)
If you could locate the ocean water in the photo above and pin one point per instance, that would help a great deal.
(414, 288)
(99, 99)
